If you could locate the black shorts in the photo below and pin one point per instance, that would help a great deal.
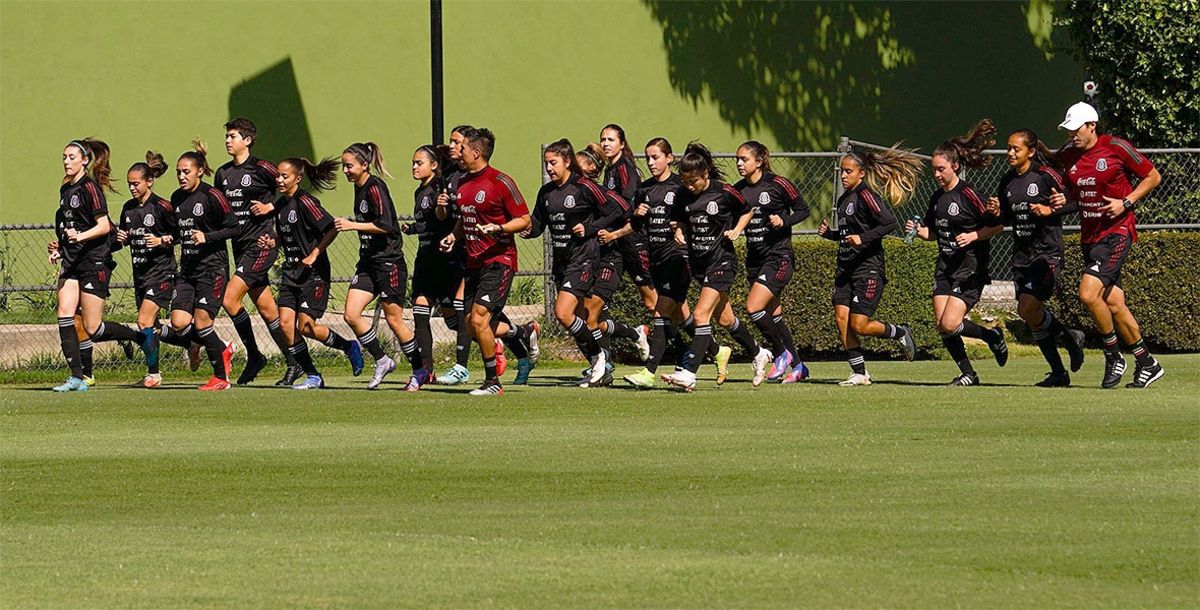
(254, 264)
(716, 270)
(310, 299)
(1037, 279)
(968, 289)
(1103, 259)
(859, 289)
(488, 286)
(606, 277)
(635, 260)
(205, 292)
(574, 277)
(388, 281)
(773, 270)
(436, 276)
(93, 276)
(672, 278)
(159, 291)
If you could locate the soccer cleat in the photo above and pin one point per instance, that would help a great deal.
(72, 384)
(254, 365)
(965, 379)
(501, 359)
(599, 368)
(907, 345)
(606, 380)
(193, 356)
(642, 379)
(1055, 380)
(1144, 376)
(1073, 341)
(419, 378)
(781, 366)
(760, 366)
(1114, 368)
(89, 380)
(998, 346)
(490, 387)
(856, 379)
(150, 346)
(312, 382)
(532, 330)
(152, 380)
(797, 374)
(215, 384)
(682, 380)
(643, 342)
(290, 376)
(723, 354)
(383, 366)
(127, 349)
(524, 366)
(456, 375)
(354, 354)
(227, 356)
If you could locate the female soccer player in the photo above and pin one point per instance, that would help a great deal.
(84, 249)
(148, 226)
(1099, 169)
(249, 185)
(381, 270)
(621, 175)
(305, 231)
(1023, 202)
(777, 206)
(710, 217)
(205, 221)
(863, 220)
(963, 227)
(570, 209)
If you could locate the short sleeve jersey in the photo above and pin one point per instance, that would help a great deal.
(242, 183)
(1035, 238)
(373, 204)
(80, 206)
(707, 215)
(489, 196)
(559, 208)
(301, 223)
(660, 197)
(1104, 170)
(153, 218)
(205, 210)
(952, 213)
(772, 195)
(859, 211)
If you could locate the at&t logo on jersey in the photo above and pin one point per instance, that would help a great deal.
(1032, 191)
(569, 202)
(480, 196)
(246, 180)
(1101, 164)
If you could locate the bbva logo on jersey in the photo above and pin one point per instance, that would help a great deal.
(246, 180)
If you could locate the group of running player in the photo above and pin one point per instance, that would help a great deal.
(673, 229)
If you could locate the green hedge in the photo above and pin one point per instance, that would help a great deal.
(1161, 276)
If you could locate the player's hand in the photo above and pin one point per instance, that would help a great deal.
(993, 206)
(1038, 209)
(406, 228)
(198, 238)
(1114, 208)
(578, 230)
(447, 243)
(776, 221)
(309, 260)
(1057, 199)
(259, 208)
(965, 239)
(642, 209)
(733, 234)
(154, 241)
(909, 226)
(854, 240)
(823, 228)
(122, 236)
(72, 236)
(679, 238)
(606, 237)
(266, 242)
(443, 199)
(343, 224)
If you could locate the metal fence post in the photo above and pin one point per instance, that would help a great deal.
(550, 291)
(843, 147)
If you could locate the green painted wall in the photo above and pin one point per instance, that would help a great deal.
(319, 75)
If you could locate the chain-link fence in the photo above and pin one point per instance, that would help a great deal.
(27, 301)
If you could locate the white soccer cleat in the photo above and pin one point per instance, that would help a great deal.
(761, 360)
(856, 379)
(598, 368)
(643, 342)
(682, 380)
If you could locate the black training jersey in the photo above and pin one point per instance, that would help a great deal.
(952, 213)
(242, 183)
(1035, 238)
(153, 218)
(80, 206)
(706, 217)
(862, 212)
(772, 195)
(559, 207)
(373, 204)
(203, 210)
(660, 197)
(613, 216)
(301, 224)
(623, 177)
(428, 228)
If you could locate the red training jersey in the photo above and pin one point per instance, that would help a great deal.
(489, 196)
(1103, 171)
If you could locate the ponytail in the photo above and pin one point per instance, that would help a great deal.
(152, 168)
(626, 153)
(760, 152)
(199, 156)
(368, 154)
(968, 150)
(564, 149)
(96, 153)
(696, 159)
(895, 172)
(595, 155)
(1041, 153)
(321, 176)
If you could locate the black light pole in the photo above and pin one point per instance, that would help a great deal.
(435, 66)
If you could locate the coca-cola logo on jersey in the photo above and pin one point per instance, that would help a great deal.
(1089, 181)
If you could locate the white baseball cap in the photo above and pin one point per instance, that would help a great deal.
(1077, 115)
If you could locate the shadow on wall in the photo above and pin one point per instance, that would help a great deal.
(914, 71)
(271, 99)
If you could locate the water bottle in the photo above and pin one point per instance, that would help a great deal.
(908, 237)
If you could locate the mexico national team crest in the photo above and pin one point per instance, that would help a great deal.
(425, 202)
(292, 217)
(712, 208)
(74, 201)
(480, 196)
(569, 202)
(764, 198)
(953, 209)
(1101, 164)
(1032, 191)
(246, 180)
(198, 209)
(148, 221)
(362, 206)
(850, 208)
(612, 183)
(670, 198)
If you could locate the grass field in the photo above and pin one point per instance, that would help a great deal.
(899, 494)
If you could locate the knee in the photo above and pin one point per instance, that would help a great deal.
(948, 327)
(1030, 312)
(1088, 296)
(858, 324)
(350, 317)
(564, 317)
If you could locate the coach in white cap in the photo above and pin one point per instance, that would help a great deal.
(1079, 115)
